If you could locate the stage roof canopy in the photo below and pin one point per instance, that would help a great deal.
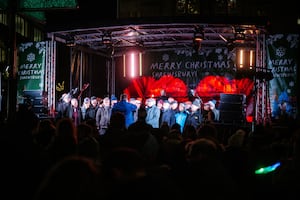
(159, 36)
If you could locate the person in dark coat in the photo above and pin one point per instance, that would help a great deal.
(195, 117)
(103, 116)
(63, 106)
(167, 115)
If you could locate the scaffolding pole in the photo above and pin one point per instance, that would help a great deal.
(262, 108)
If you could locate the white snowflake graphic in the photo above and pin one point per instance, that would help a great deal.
(31, 57)
(280, 51)
(165, 57)
(220, 57)
(218, 50)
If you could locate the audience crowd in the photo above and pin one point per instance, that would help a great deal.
(152, 149)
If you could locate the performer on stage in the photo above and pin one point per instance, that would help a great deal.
(63, 106)
(126, 108)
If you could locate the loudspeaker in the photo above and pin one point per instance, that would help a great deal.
(233, 98)
(232, 108)
(38, 101)
(36, 97)
(32, 93)
(232, 116)
(39, 109)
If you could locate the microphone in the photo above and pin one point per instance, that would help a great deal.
(75, 91)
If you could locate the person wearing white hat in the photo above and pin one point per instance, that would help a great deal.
(211, 105)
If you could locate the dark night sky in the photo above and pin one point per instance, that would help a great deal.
(92, 13)
(88, 13)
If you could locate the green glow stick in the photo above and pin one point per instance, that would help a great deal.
(268, 169)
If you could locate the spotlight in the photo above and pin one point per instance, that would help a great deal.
(70, 42)
(198, 37)
(198, 34)
(239, 35)
(106, 38)
(132, 64)
(245, 60)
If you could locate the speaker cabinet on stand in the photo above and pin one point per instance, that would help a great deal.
(232, 108)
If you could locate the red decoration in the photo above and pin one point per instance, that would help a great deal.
(146, 87)
(208, 88)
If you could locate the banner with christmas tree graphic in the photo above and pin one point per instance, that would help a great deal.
(282, 59)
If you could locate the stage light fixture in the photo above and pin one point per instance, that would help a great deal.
(132, 64)
(198, 34)
(70, 42)
(106, 38)
(245, 58)
(198, 37)
(239, 35)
